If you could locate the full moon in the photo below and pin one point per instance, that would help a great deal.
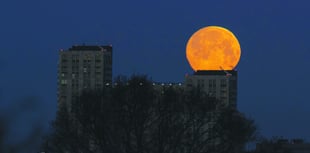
(213, 48)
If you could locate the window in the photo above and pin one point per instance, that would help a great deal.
(63, 97)
(223, 83)
(75, 57)
(98, 56)
(75, 61)
(214, 83)
(107, 59)
(63, 82)
(200, 83)
(223, 93)
(108, 68)
(210, 83)
(98, 85)
(87, 58)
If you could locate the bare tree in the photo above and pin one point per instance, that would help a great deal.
(136, 117)
(2, 133)
(234, 130)
(65, 136)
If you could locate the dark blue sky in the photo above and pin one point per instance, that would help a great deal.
(149, 37)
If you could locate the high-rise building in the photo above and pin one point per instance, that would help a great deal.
(82, 68)
(220, 84)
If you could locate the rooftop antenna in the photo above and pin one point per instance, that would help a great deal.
(226, 72)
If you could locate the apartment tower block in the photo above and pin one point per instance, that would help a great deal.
(82, 68)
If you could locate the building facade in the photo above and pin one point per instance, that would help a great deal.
(283, 146)
(82, 68)
(220, 84)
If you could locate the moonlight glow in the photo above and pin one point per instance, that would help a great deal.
(213, 48)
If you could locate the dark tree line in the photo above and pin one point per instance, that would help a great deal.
(278, 145)
(137, 117)
(2, 133)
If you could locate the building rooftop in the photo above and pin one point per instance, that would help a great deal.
(215, 72)
(87, 48)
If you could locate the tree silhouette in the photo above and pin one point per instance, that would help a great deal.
(65, 136)
(136, 116)
(234, 131)
(274, 145)
(2, 133)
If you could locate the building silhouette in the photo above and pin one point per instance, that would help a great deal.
(283, 146)
(220, 84)
(83, 68)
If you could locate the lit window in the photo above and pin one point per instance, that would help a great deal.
(63, 82)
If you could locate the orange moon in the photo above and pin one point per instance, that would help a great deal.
(213, 48)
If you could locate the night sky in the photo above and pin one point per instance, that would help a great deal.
(149, 37)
